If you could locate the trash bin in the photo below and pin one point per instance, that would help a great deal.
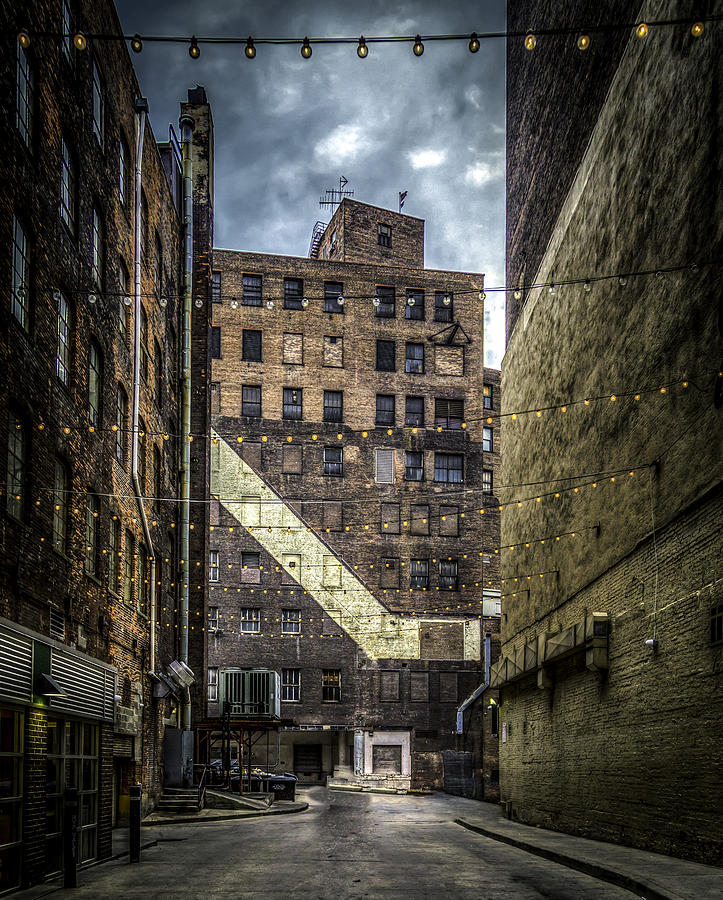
(283, 787)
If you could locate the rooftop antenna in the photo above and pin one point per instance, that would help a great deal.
(334, 197)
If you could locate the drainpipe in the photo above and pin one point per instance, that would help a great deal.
(477, 691)
(186, 126)
(141, 106)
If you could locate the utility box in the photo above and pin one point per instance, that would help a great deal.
(178, 757)
(251, 693)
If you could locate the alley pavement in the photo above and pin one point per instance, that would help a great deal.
(361, 845)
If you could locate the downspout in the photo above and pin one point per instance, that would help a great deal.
(186, 126)
(477, 691)
(141, 107)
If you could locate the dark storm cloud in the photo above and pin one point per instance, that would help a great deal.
(286, 128)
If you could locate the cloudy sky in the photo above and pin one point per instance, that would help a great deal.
(286, 128)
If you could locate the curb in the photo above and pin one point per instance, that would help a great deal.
(642, 889)
(194, 820)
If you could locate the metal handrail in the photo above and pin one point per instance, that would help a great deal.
(202, 788)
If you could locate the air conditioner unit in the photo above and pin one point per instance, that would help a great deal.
(180, 673)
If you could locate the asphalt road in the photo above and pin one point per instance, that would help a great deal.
(346, 846)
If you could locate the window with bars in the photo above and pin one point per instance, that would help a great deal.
(17, 452)
(213, 565)
(414, 411)
(414, 308)
(385, 308)
(215, 287)
(123, 171)
(331, 685)
(418, 574)
(333, 406)
(385, 409)
(487, 396)
(333, 461)
(251, 400)
(386, 356)
(96, 247)
(92, 513)
(60, 506)
(291, 685)
(486, 481)
(62, 350)
(251, 291)
(293, 400)
(20, 275)
(384, 235)
(449, 467)
(448, 413)
(448, 574)
(114, 553)
(413, 465)
(333, 292)
(443, 306)
(384, 468)
(68, 186)
(293, 293)
(98, 103)
(290, 621)
(24, 96)
(121, 418)
(251, 345)
(250, 618)
(414, 362)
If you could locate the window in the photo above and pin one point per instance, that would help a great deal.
(487, 481)
(449, 521)
(92, 511)
(142, 454)
(487, 396)
(128, 569)
(384, 470)
(448, 413)
(414, 308)
(331, 685)
(158, 372)
(97, 103)
(250, 619)
(60, 506)
(414, 363)
(20, 287)
(447, 687)
(389, 686)
(292, 403)
(384, 235)
(251, 401)
(68, 186)
(157, 476)
(293, 349)
(384, 306)
(293, 293)
(215, 287)
(385, 409)
(17, 452)
(124, 280)
(413, 465)
(386, 353)
(716, 624)
(213, 618)
(332, 515)
(251, 346)
(419, 687)
(143, 579)
(144, 345)
(114, 554)
(290, 621)
(333, 464)
(333, 406)
(487, 439)
(291, 685)
(157, 273)
(67, 29)
(443, 307)
(448, 574)
(212, 685)
(24, 96)
(494, 720)
(419, 574)
(121, 416)
(334, 351)
(389, 519)
(216, 398)
(251, 295)
(250, 567)
(216, 342)
(449, 467)
(96, 242)
(144, 227)
(333, 293)
(291, 459)
(62, 350)
(213, 565)
(389, 573)
(419, 519)
(123, 173)
(414, 411)
(95, 368)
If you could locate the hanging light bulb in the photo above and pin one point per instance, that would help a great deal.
(376, 301)
(306, 48)
(411, 301)
(446, 300)
(642, 30)
(127, 300)
(304, 302)
(80, 41)
(198, 303)
(92, 298)
(587, 286)
(622, 281)
(530, 41)
(583, 42)
(552, 290)
(234, 304)
(482, 295)
(194, 51)
(473, 42)
(250, 50)
(362, 51)
(340, 300)
(418, 48)
(163, 302)
(269, 304)
(697, 29)
(24, 39)
(136, 43)
(517, 294)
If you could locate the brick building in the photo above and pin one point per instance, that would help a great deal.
(88, 457)
(610, 669)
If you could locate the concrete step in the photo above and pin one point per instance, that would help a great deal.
(180, 792)
(177, 806)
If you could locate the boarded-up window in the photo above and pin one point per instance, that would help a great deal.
(250, 511)
(419, 520)
(447, 687)
(215, 398)
(441, 640)
(331, 570)
(291, 563)
(334, 350)
(389, 518)
(293, 349)
(387, 759)
(289, 519)
(389, 686)
(332, 515)
(384, 467)
(389, 572)
(448, 360)
(251, 454)
(449, 521)
(291, 459)
(419, 687)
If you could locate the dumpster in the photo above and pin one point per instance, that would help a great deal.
(283, 787)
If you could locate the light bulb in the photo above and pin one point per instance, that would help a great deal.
(418, 48)
(552, 291)
(163, 302)
(362, 51)
(530, 42)
(136, 43)
(24, 39)
(411, 301)
(587, 286)
(518, 294)
(473, 42)
(250, 50)
(482, 295)
(80, 41)
(340, 300)
(198, 303)
(269, 304)
(697, 29)
(306, 48)
(583, 42)
(127, 300)
(92, 298)
(642, 30)
(622, 281)
(304, 302)
(194, 51)
(234, 304)
(446, 300)
(376, 301)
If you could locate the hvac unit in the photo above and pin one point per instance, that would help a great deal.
(250, 692)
